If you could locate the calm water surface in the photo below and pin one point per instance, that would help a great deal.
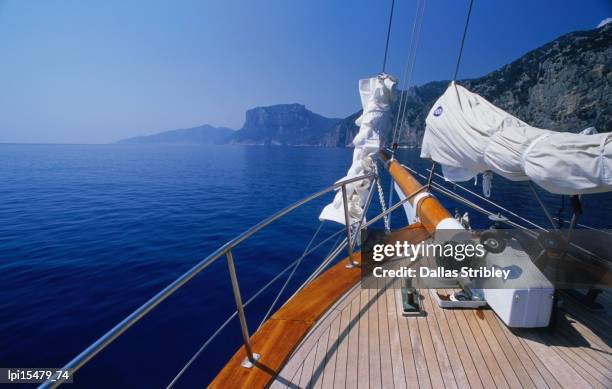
(90, 232)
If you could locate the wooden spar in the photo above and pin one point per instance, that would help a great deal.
(429, 210)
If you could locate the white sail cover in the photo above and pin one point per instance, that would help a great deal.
(468, 135)
(377, 97)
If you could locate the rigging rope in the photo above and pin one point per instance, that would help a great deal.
(406, 79)
(248, 302)
(478, 208)
(561, 212)
(384, 66)
(481, 198)
(280, 292)
(409, 78)
(407, 73)
(467, 202)
(431, 174)
(465, 28)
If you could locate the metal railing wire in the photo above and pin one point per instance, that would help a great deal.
(473, 205)
(295, 267)
(86, 355)
(332, 254)
(448, 193)
(348, 242)
(292, 265)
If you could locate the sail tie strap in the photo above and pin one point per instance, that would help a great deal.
(487, 183)
(531, 146)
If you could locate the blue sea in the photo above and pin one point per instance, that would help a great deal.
(90, 232)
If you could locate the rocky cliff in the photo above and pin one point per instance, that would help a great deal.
(565, 85)
(283, 124)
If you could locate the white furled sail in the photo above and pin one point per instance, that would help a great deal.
(377, 97)
(468, 135)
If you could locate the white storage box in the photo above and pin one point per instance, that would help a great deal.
(530, 303)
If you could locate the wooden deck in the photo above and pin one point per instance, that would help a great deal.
(335, 334)
(279, 335)
(282, 333)
(363, 341)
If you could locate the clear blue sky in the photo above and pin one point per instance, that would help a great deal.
(97, 71)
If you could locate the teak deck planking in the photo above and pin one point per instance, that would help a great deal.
(482, 351)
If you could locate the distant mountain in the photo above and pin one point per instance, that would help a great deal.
(204, 134)
(283, 124)
(342, 132)
(565, 85)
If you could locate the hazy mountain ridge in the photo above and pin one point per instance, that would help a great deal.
(565, 85)
(203, 134)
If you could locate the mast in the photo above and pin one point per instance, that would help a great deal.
(430, 211)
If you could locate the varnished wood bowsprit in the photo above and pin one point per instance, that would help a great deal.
(276, 340)
(429, 209)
